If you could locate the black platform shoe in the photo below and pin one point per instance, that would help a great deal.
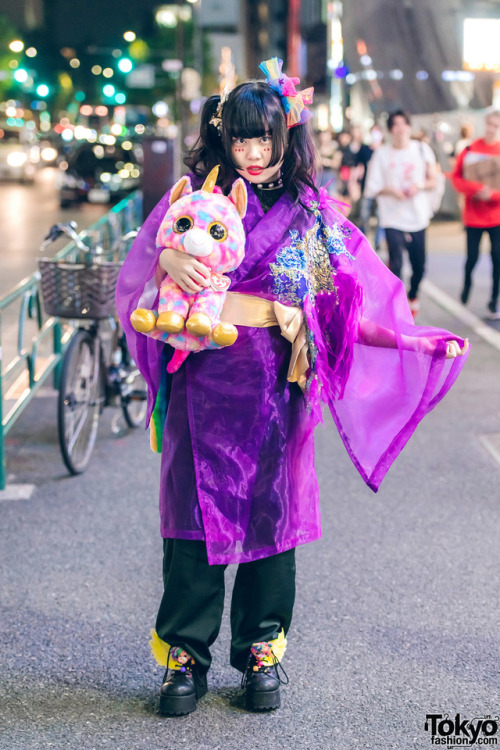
(181, 689)
(262, 685)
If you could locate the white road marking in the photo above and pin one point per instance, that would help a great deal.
(461, 313)
(492, 445)
(17, 492)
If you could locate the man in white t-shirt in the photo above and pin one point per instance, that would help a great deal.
(399, 174)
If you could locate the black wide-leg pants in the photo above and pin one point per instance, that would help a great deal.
(191, 608)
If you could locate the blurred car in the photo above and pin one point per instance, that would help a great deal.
(18, 160)
(98, 173)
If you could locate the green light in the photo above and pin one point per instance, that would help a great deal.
(80, 96)
(120, 98)
(42, 89)
(125, 65)
(21, 75)
(108, 90)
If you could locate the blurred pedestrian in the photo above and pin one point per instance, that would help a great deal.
(237, 475)
(466, 134)
(344, 162)
(327, 148)
(481, 212)
(356, 156)
(399, 174)
(369, 204)
(465, 139)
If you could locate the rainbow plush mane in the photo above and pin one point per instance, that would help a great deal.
(207, 225)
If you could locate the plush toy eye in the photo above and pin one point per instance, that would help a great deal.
(183, 224)
(218, 231)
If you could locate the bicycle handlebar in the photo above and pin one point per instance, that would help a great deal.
(70, 230)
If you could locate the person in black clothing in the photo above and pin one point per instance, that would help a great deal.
(356, 157)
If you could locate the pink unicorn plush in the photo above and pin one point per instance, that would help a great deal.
(207, 225)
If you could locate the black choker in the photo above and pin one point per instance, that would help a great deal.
(270, 185)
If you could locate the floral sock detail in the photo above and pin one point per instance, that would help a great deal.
(172, 657)
(179, 659)
(267, 653)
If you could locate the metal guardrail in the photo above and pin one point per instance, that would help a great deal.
(35, 361)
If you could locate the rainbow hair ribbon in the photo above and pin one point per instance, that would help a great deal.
(294, 101)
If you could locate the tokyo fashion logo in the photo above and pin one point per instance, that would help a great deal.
(457, 732)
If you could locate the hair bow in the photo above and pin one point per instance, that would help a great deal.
(294, 101)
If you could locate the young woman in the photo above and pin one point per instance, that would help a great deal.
(237, 477)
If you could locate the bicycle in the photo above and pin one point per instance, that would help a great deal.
(97, 369)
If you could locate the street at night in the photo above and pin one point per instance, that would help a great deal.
(27, 212)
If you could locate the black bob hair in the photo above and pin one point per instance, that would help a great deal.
(398, 113)
(251, 110)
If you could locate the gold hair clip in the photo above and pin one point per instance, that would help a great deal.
(216, 120)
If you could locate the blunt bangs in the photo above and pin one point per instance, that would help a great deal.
(251, 111)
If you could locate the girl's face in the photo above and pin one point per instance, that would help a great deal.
(252, 155)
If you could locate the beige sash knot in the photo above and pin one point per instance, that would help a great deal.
(257, 312)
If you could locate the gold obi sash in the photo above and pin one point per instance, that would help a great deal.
(257, 312)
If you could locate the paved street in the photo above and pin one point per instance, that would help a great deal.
(396, 614)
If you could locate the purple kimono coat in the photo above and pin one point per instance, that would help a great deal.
(237, 467)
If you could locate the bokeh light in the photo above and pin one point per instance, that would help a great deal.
(21, 75)
(125, 65)
(160, 109)
(16, 45)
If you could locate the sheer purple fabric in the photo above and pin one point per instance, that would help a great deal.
(238, 446)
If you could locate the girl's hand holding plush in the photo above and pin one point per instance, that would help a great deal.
(187, 272)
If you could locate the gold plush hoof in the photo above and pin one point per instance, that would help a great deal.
(224, 334)
(199, 324)
(170, 322)
(143, 320)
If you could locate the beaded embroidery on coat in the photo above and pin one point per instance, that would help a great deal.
(303, 267)
(303, 270)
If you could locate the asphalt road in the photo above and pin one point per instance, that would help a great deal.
(397, 609)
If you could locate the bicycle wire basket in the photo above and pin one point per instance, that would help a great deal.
(79, 290)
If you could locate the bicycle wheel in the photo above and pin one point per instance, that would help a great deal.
(133, 397)
(79, 404)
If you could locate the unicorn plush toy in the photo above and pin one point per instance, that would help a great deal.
(207, 225)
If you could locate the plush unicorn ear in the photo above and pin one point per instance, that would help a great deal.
(209, 184)
(239, 197)
(181, 187)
